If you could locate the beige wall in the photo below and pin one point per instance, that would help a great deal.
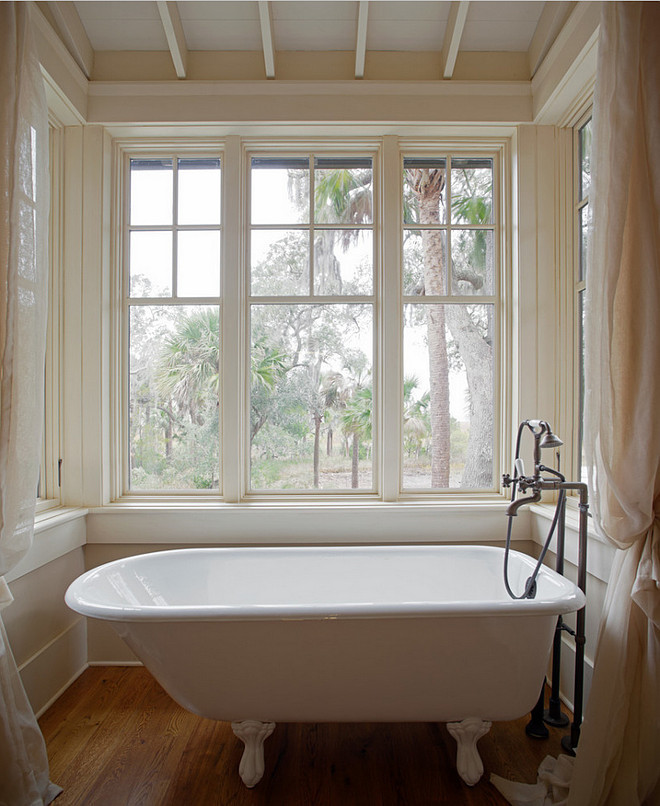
(48, 640)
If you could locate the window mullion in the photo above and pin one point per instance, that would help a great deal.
(390, 342)
(234, 318)
(175, 221)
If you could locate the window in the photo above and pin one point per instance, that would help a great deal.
(311, 313)
(48, 487)
(583, 223)
(449, 286)
(173, 323)
(312, 351)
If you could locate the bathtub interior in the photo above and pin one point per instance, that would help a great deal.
(275, 582)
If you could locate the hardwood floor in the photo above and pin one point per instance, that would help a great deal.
(115, 738)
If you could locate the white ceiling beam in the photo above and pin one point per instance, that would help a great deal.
(73, 35)
(550, 23)
(453, 33)
(361, 43)
(267, 39)
(176, 39)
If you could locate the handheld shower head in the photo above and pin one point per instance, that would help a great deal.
(543, 433)
(550, 440)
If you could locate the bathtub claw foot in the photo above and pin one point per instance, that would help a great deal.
(253, 734)
(467, 733)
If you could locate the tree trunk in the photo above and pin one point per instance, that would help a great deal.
(439, 398)
(477, 356)
(169, 431)
(475, 347)
(355, 457)
(317, 444)
(429, 186)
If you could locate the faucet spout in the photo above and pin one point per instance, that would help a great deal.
(514, 506)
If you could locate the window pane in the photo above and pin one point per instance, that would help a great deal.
(472, 262)
(472, 191)
(448, 398)
(311, 397)
(343, 191)
(585, 223)
(198, 264)
(199, 191)
(279, 262)
(150, 264)
(424, 249)
(151, 192)
(583, 463)
(585, 160)
(424, 191)
(174, 381)
(280, 191)
(343, 261)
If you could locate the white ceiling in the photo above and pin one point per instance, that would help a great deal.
(310, 25)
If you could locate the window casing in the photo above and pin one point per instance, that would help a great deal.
(582, 218)
(342, 401)
(312, 317)
(48, 491)
(450, 281)
(172, 322)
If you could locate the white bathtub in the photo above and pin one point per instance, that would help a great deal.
(357, 634)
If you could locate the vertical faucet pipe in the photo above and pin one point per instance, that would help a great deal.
(553, 715)
(570, 741)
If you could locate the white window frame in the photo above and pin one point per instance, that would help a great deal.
(320, 149)
(499, 294)
(579, 290)
(125, 152)
(50, 467)
(388, 152)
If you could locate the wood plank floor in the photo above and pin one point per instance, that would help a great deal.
(115, 738)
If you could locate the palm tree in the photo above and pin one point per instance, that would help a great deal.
(268, 366)
(356, 422)
(415, 416)
(188, 370)
(428, 185)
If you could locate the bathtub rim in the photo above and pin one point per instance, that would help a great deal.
(572, 600)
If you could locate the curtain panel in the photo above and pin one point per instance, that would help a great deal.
(24, 199)
(618, 758)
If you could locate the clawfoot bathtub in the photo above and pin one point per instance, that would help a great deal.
(361, 634)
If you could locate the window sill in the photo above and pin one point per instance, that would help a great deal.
(50, 518)
(300, 522)
(57, 531)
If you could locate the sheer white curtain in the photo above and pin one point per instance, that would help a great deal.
(618, 758)
(23, 309)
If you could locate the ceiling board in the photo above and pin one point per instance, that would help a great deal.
(409, 11)
(405, 26)
(214, 34)
(500, 26)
